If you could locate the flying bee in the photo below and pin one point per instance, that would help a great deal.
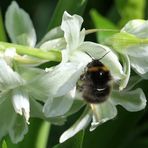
(96, 82)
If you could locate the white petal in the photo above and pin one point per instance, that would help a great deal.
(138, 53)
(8, 55)
(21, 104)
(53, 44)
(62, 78)
(19, 26)
(80, 57)
(18, 130)
(7, 116)
(137, 27)
(65, 56)
(10, 52)
(8, 78)
(79, 125)
(52, 34)
(138, 50)
(71, 26)
(110, 59)
(133, 81)
(127, 71)
(102, 112)
(55, 107)
(37, 90)
(139, 58)
(132, 100)
(139, 64)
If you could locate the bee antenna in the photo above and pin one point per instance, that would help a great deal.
(103, 55)
(90, 56)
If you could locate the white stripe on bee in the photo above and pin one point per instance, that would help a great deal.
(101, 89)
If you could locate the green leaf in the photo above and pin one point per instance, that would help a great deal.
(131, 9)
(19, 26)
(2, 31)
(75, 142)
(101, 22)
(115, 133)
(4, 144)
(71, 6)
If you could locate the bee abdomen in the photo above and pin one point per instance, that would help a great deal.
(95, 95)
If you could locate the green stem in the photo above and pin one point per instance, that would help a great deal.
(2, 32)
(89, 31)
(144, 41)
(53, 55)
(42, 139)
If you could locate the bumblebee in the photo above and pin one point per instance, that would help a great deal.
(96, 82)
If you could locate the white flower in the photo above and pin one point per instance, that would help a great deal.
(10, 82)
(63, 77)
(19, 91)
(16, 94)
(61, 80)
(132, 41)
(19, 26)
(138, 53)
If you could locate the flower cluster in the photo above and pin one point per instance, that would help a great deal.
(27, 90)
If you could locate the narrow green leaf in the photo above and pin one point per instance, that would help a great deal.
(131, 9)
(101, 22)
(75, 142)
(2, 31)
(4, 144)
(71, 6)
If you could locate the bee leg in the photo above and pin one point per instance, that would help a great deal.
(82, 77)
(80, 86)
(93, 107)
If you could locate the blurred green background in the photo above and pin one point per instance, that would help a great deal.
(127, 129)
(41, 11)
